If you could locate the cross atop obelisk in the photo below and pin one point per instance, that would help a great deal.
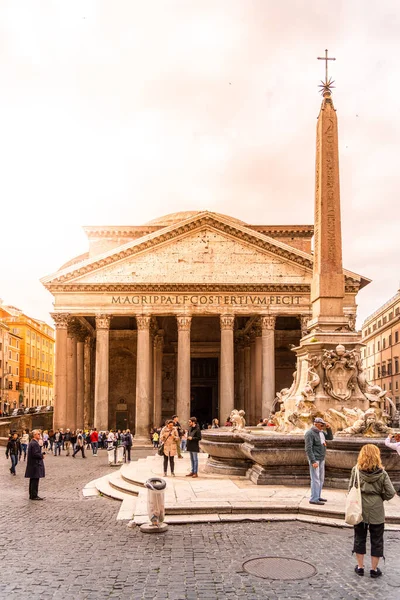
(326, 58)
(327, 290)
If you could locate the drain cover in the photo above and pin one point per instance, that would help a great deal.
(277, 567)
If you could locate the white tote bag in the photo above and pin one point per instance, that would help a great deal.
(353, 510)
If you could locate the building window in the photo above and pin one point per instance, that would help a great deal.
(379, 345)
(396, 385)
(379, 323)
(390, 340)
(384, 343)
(390, 386)
(389, 367)
(396, 365)
(396, 337)
(383, 370)
(10, 354)
(27, 372)
(17, 371)
(397, 311)
(374, 327)
(17, 356)
(379, 371)
(390, 316)
(10, 385)
(384, 320)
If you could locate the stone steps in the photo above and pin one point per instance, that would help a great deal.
(215, 499)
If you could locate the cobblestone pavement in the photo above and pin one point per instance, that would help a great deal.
(73, 548)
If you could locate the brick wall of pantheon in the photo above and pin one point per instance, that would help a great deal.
(192, 312)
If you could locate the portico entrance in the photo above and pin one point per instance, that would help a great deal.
(204, 389)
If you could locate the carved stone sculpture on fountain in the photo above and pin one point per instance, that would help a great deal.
(237, 419)
(340, 375)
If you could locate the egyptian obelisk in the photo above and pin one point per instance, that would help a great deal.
(327, 289)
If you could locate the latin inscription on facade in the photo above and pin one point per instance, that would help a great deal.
(208, 300)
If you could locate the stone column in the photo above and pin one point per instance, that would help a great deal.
(226, 403)
(240, 405)
(142, 424)
(60, 392)
(252, 413)
(258, 375)
(158, 356)
(87, 377)
(247, 375)
(80, 379)
(183, 370)
(102, 372)
(71, 376)
(268, 364)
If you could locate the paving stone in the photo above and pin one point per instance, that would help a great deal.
(96, 556)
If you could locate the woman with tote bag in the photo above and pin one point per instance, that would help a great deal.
(375, 487)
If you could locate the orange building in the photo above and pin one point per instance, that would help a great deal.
(381, 356)
(35, 355)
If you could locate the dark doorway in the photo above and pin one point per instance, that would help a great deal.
(121, 419)
(204, 389)
(201, 405)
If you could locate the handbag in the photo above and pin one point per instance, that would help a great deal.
(160, 450)
(353, 509)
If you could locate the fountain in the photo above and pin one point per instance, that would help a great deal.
(329, 380)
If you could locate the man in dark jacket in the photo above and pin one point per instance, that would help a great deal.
(34, 465)
(194, 437)
(315, 444)
(14, 451)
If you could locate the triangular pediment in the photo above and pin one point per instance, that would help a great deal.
(206, 248)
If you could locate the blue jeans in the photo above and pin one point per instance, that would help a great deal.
(194, 461)
(24, 448)
(57, 447)
(95, 446)
(183, 445)
(14, 462)
(317, 480)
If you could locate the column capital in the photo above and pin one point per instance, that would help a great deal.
(227, 321)
(143, 322)
(268, 322)
(103, 321)
(60, 320)
(184, 322)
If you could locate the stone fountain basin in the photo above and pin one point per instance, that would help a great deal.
(271, 458)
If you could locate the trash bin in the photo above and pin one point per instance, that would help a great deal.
(111, 456)
(155, 500)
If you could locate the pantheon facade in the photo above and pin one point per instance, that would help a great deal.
(195, 313)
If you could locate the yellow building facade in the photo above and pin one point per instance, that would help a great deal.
(381, 336)
(35, 357)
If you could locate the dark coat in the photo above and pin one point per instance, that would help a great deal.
(34, 463)
(193, 445)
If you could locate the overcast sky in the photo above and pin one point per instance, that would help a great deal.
(117, 112)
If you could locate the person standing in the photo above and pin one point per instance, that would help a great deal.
(57, 442)
(13, 451)
(184, 440)
(24, 442)
(170, 438)
(315, 446)
(393, 442)
(156, 437)
(179, 430)
(80, 444)
(127, 442)
(67, 441)
(375, 487)
(193, 439)
(94, 440)
(34, 465)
